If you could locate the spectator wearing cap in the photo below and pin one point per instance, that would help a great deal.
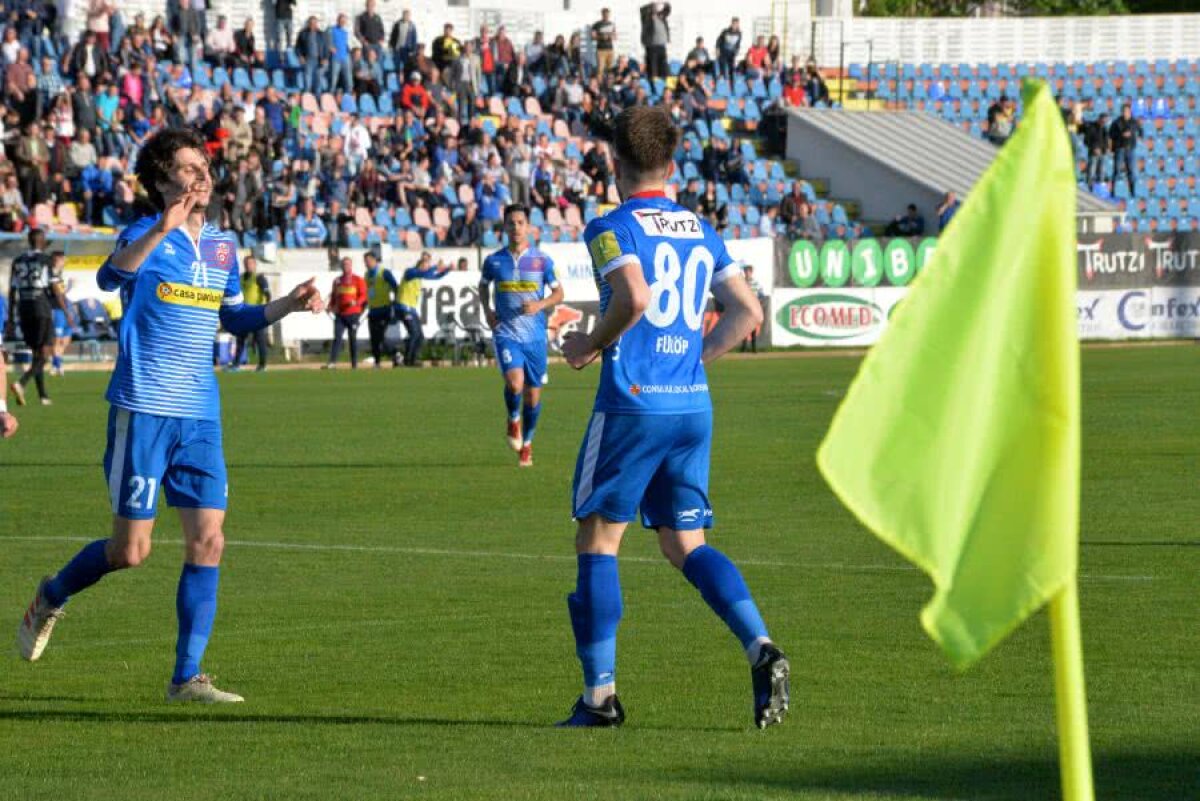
(414, 96)
(312, 50)
(403, 40)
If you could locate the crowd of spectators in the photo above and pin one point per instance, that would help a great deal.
(358, 129)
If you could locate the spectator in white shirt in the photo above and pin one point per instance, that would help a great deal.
(220, 43)
(357, 145)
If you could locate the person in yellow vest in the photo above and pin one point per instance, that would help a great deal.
(257, 292)
(408, 303)
(381, 286)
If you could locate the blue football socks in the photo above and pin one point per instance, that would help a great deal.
(89, 566)
(723, 589)
(56, 361)
(595, 608)
(196, 606)
(512, 402)
(531, 415)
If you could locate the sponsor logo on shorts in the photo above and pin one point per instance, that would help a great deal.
(188, 295)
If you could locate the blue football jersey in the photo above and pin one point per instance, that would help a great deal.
(172, 305)
(655, 367)
(517, 280)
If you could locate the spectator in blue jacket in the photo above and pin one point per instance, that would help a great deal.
(339, 44)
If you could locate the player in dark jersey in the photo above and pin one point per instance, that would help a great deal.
(646, 452)
(36, 289)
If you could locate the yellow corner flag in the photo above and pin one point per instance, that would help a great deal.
(958, 441)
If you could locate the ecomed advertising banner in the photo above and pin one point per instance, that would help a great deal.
(825, 317)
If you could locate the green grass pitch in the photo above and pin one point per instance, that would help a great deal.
(393, 608)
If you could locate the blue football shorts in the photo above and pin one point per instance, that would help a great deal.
(61, 328)
(529, 356)
(657, 464)
(182, 456)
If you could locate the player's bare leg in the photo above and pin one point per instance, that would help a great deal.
(129, 546)
(196, 606)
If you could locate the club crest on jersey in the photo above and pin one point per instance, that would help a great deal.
(680, 224)
(223, 254)
(218, 253)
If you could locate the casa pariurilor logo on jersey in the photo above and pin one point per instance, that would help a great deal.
(635, 390)
(188, 295)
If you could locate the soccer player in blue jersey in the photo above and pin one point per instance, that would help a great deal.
(517, 317)
(647, 445)
(178, 277)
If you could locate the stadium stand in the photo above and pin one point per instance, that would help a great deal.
(417, 147)
(1164, 96)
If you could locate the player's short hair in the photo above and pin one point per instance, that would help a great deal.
(157, 156)
(515, 208)
(58, 254)
(34, 232)
(645, 138)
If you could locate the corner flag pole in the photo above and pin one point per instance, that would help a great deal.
(1074, 752)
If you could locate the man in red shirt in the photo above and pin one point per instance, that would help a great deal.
(346, 303)
(415, 96)
(793, 93)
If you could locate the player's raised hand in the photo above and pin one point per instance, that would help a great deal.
(578, 350)
(306, 297)
(177, 212)
(8, 425)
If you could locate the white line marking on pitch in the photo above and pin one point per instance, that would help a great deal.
(464, 554)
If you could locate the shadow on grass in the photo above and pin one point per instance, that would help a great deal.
(234, 715)
(1127, 776)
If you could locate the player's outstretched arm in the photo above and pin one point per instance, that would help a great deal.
(743, 313)
(630, 297)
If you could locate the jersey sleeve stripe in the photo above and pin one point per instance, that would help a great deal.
(721, 276)
(620, 261)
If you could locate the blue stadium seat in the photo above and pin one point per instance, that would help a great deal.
(403, 218)
(349, 106)
(490, 240)
(260, 78)
(393, 82)
(220, 77)
(366, 106)
(386, 108)
(279, 80)
(241, 79)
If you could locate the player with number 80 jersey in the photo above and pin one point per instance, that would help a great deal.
(655, 368)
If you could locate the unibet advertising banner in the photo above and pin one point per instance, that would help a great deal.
(1111, 261)
(865, 264)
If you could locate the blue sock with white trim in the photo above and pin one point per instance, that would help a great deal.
(85, 569)
(196, 607)
(512, 402)
(56, 361)
(595, 609)
(530, 421)
(725, 591)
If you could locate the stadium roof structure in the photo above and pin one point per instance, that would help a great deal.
(891, 158)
